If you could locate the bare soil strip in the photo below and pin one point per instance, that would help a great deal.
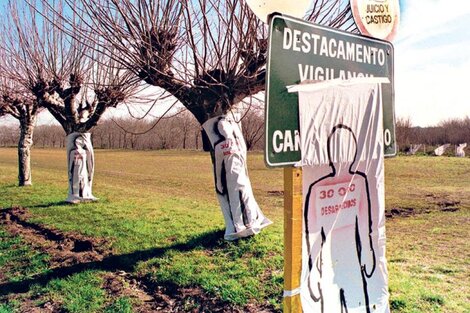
(72, 252)
(156, 298)
(440, 203)
(64, 248)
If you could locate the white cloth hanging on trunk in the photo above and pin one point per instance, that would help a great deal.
(344, 266)
(460, 150)
(80, 161)
(439, 151)
(413, 149)
(241, 212)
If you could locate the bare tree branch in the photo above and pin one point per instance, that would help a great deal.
(71, 78)
(208, 54)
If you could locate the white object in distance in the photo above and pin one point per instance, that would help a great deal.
(263, 8)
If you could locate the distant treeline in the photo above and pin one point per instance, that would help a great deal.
(178, 132)
(452, 131)
(183, 132)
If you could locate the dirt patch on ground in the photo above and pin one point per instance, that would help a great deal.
(443, 203)
(30, 306)
(275, 193)
(400, 212)
(68, 249)
(64, 248)
(121, 284)
(449, 205)
(436, 203)
(150, 297)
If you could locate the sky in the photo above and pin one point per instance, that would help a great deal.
(432, 61)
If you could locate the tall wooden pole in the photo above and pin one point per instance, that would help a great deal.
(292, 238)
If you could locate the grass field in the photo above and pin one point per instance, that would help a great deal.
(157, 237)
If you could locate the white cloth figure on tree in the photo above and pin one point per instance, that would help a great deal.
(413, 149)
(344, 266)
(439, 151)
(80, 160)
(242, 215)
(460, 150)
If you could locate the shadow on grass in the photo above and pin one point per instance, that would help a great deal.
(50, 204)
(124, 262)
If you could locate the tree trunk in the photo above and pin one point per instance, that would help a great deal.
(184, 140)
(24, 151)
(241, 212)
(80, 165)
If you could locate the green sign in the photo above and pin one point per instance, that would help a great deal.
(300, 51)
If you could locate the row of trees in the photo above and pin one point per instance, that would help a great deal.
(77, 58)
(181, 131)
(453, 131)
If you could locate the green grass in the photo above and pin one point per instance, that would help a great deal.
(429, 263)
(5, 308)
(79, 293)
(414, 181)
(120, 305)
(17, 260)
(159, 210)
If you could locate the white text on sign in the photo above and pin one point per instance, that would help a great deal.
(305, 42)
(284, 141)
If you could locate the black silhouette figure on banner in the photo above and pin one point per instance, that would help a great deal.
(80, 168)
(241, 212)
(338, 208)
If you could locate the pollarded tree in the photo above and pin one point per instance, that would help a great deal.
(253, 125)
(71, 78)
(210, 55)
(23, 107)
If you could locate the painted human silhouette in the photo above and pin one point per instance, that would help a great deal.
(338, 210)
(80, 168)
(243, 217)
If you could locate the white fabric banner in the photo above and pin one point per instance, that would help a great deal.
(439, 151)
(81, 164)
(460, 150)
(413, 149)
(241, 212)
(344, 266)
